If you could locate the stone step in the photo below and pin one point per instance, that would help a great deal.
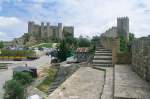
(102, 49)
(102, 61)
(3, 67)
(103, 65)
(103, 54)
(102, 57)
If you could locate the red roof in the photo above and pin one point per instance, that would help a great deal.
(82, 49)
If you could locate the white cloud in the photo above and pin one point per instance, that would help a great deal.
(11, 27)
(9, 21)
(87, 16)
(3, 36)
(98, 15)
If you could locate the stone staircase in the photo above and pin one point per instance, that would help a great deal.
(102, 57)
(3, 66)
(120, 82)
(103, 61)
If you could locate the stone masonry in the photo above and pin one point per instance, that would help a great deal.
(141, 57)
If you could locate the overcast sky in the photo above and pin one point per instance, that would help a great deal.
(89, 17)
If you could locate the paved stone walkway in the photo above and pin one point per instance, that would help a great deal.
(85, 83)
(128, 85)
(109, 85)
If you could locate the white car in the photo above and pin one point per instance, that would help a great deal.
(71, 59)
(34, 97)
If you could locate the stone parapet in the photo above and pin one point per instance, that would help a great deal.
(141, 57)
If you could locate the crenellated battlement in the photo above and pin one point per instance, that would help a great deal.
(122, 18)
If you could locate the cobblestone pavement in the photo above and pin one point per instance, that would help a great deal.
(6, 75)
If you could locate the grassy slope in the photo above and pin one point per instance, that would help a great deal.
(47, 45)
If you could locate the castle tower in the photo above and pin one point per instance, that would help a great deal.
(30, 27)
(60, 31)
(48, 30)
(42, 30)
(123, 27)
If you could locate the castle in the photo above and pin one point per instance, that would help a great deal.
(41, 33)
(122, 29)
(48, 31)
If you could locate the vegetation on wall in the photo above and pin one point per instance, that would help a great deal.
(124, 56)
(123, 44)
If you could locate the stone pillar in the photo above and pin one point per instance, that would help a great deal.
(30, 27)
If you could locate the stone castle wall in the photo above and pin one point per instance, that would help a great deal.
(141, 57)
(44, 32)
(48, 31)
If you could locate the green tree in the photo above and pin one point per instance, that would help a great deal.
(14, 90)
(23, 77)
(63, 51)
(71, 42)
(1, 44)
(83, 42)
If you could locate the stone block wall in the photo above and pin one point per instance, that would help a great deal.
(107, 42)
(141, 57)
(113, 44)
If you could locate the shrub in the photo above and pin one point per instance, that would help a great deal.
(63, 51)
(23, 77)
(14, 90)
